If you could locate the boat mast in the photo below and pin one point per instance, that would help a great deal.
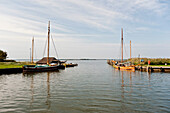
(32, 50)
(130, 51)
(48, 49)
(122, 44)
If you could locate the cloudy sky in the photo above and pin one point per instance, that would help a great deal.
(85, 28)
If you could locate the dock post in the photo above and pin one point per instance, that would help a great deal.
(147, 69)
(151, 69)
(162, 69)
(141, 68)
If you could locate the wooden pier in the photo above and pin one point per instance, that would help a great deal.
(148, 68)
(10, 71)
(153, 68)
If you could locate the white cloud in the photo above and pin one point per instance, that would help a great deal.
(151, 5)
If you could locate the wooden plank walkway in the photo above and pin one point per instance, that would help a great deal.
(153, 68)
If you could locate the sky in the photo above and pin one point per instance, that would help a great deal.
(85, 28)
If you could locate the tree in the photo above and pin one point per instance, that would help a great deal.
(3, 55)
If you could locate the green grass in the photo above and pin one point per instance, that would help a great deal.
(12, 64)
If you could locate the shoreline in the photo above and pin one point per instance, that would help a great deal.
(11, 71)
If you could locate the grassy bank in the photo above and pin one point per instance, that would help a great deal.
(153, 61)
(13, 64)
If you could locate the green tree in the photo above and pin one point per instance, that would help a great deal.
(3, 55)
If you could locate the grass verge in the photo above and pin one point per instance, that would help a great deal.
(4, 65)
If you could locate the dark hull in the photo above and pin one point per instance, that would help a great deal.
(61, 67)
(71, 65)
(40, 69)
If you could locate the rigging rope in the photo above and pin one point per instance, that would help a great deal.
(35, 54)
(45, 47)
(119, 57)
(125, 50)
(55, 48)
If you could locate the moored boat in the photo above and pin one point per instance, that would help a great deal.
(121, 65)
(45, 64)
(39, 68)
(70, 65)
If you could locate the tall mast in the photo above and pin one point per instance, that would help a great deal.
(32, 50)
(122, 44)
(48, 49)
(130, 51)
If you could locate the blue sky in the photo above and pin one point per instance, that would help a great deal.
(86, 28)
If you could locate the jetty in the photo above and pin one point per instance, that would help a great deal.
(147, 68)
(153, 68)
(10, 71)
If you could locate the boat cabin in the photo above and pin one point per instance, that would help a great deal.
(52, 60)
(121, 64)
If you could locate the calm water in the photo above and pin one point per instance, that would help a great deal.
(93, 87)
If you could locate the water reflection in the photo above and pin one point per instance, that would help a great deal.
(149, 75)
(32, 75)
(131, 82)
(126, 81)
(48, 102)
(32, 91)
(122, 86)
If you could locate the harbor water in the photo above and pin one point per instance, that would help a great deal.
(91, 87)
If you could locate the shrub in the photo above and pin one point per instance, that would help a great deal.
(3, 55)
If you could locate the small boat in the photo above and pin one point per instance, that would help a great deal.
(49, 66)
(70, 65)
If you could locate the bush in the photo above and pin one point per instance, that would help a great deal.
(154, 61)
(3, 55)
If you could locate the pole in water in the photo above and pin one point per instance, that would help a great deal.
(122, 44)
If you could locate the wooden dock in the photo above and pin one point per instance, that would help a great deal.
(153, 68)
(148, 68)
(11, 71)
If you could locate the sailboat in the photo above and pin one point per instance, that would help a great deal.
(121, 65)
(47, 66)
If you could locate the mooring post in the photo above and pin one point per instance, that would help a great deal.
(140, 68)
(151, 69)
(148, 68)
(162, 69)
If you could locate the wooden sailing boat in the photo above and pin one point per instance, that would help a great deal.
(41, 68)
(122, 65)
